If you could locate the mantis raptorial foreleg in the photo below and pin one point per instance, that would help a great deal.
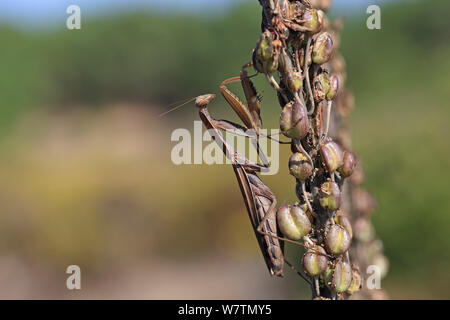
(259, 199)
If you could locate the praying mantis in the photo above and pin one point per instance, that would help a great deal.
(260, 201)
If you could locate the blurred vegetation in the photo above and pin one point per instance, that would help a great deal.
(72, 162)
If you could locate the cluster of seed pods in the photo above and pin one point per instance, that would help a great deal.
(366, 249)
(297, 53)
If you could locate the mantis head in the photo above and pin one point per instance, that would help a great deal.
(203, 100)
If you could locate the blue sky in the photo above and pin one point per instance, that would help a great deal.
(32, 13)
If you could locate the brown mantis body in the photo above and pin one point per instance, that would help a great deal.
(259, 199)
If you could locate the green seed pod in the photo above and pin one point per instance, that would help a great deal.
(334, 87)
(332, 156)
(330, 196)
(322, 50)
(342, 276)
(299, 166)
(328, 276)
(265, 46)
(321, 86)
(266, 53)
(355, 286)
(294, 122)
(257, 63)
(312, 19)
(293, 222)
(314, 263)
(337, 240)
(348, 165)
(294, 81)
(341, 219)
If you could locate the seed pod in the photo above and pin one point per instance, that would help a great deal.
(337, 240)
(294, 122)
(321, 4)
(266, 53)
(342, 276)
(332, 156)
(322, 49)
(257, 63)
(383, 264)
(363, 202)
(293, 222)
(312, 19)
(299, 166)
(356, 283)
(321, 86)
(294, 81)
(328, 276)
(330, 196)
(314, 263)
(357, 176)
(348, 166)
(305, 209)
(363, 230)
(341, 219)
(265, 46)
(334, 87)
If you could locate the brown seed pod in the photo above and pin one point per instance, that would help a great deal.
(363, 202)
(348, 166)
(312, 19)
(299, 166)
(330, 196)
(332, 156)
(293, 222)
(337, 240)
(356, 283)
(341, 219)
(342, 276)
(321, 86)
(334, 87)
(322, 50)
(327, 276)
(363, 230)
(294, 122)
(314, 263)
(357, 177)
(320, 4)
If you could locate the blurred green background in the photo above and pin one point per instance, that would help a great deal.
(86, 176)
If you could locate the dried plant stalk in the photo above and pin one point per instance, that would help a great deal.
(297, 53)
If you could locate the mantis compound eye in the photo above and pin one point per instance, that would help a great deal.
(203, 100)
(293, 222)
(314, 261)
(330, 196)
(337, 240)
(342, 276)
(322, 50)
(294, 122)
